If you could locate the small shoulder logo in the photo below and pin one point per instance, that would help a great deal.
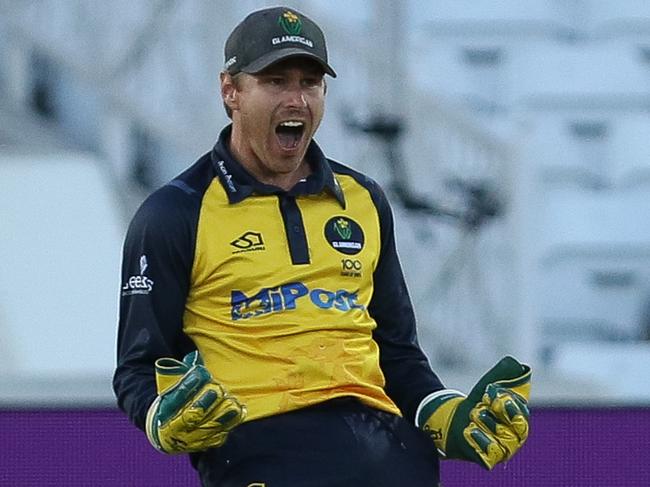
(143, 264)
(248, 242)
(290, 22)
(344, 235)
(139, 284)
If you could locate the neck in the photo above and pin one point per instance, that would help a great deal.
(243, 153)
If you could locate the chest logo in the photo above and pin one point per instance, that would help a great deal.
(248, 242)
(344, 235)
(288, 297)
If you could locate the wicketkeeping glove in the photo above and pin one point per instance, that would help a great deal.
(489, 425)
(192, 411)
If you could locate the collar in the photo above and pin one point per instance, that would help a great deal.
(239, 183)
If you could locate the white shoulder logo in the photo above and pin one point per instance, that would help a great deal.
(138, 284)
(143, 264)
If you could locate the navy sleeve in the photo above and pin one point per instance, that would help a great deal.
(409, 377)
(157, 262)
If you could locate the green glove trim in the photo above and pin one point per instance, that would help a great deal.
(490, 424)
(192, 412)
(508, 372)
(176, 398)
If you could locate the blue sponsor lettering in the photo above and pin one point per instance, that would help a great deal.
(291, 292)
(285, 297)
(342, 300)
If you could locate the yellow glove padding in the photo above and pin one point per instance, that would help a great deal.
(486, 427)
(192, 411)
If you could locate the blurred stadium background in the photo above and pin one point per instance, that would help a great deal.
(512, 138)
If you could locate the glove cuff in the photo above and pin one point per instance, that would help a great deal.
(434, 416)
(432, 402)
(168, 373)
(151, 426)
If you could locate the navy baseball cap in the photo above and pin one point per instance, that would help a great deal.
(270, 35)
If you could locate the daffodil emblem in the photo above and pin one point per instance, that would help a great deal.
(290, 22)
(342, 227)
(344, 235)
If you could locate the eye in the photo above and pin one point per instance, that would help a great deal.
(311, 82)
(275, 80)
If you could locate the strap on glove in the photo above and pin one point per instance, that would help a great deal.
(487, 427)
(192, 411)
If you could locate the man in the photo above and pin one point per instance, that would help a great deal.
(265, 326)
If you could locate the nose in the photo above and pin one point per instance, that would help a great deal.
(296, 96)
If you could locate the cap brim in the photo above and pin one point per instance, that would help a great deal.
(282, 54)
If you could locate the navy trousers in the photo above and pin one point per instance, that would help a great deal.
(339, 443)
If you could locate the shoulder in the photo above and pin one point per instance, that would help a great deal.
(373, 187)
(177, 202)
(361, 178)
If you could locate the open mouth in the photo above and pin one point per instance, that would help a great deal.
(289, 133)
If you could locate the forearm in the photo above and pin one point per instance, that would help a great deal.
(135, 389)
(409, 377)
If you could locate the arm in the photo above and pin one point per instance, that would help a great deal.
(157, 260)
(178, 403)
(489, 425)
(409, 377)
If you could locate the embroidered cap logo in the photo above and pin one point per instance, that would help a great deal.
(290, 22)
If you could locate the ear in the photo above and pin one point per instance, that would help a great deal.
(229, 91)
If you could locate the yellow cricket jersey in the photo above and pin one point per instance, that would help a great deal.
(292, 298)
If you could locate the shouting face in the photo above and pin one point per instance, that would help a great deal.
(275, 114)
